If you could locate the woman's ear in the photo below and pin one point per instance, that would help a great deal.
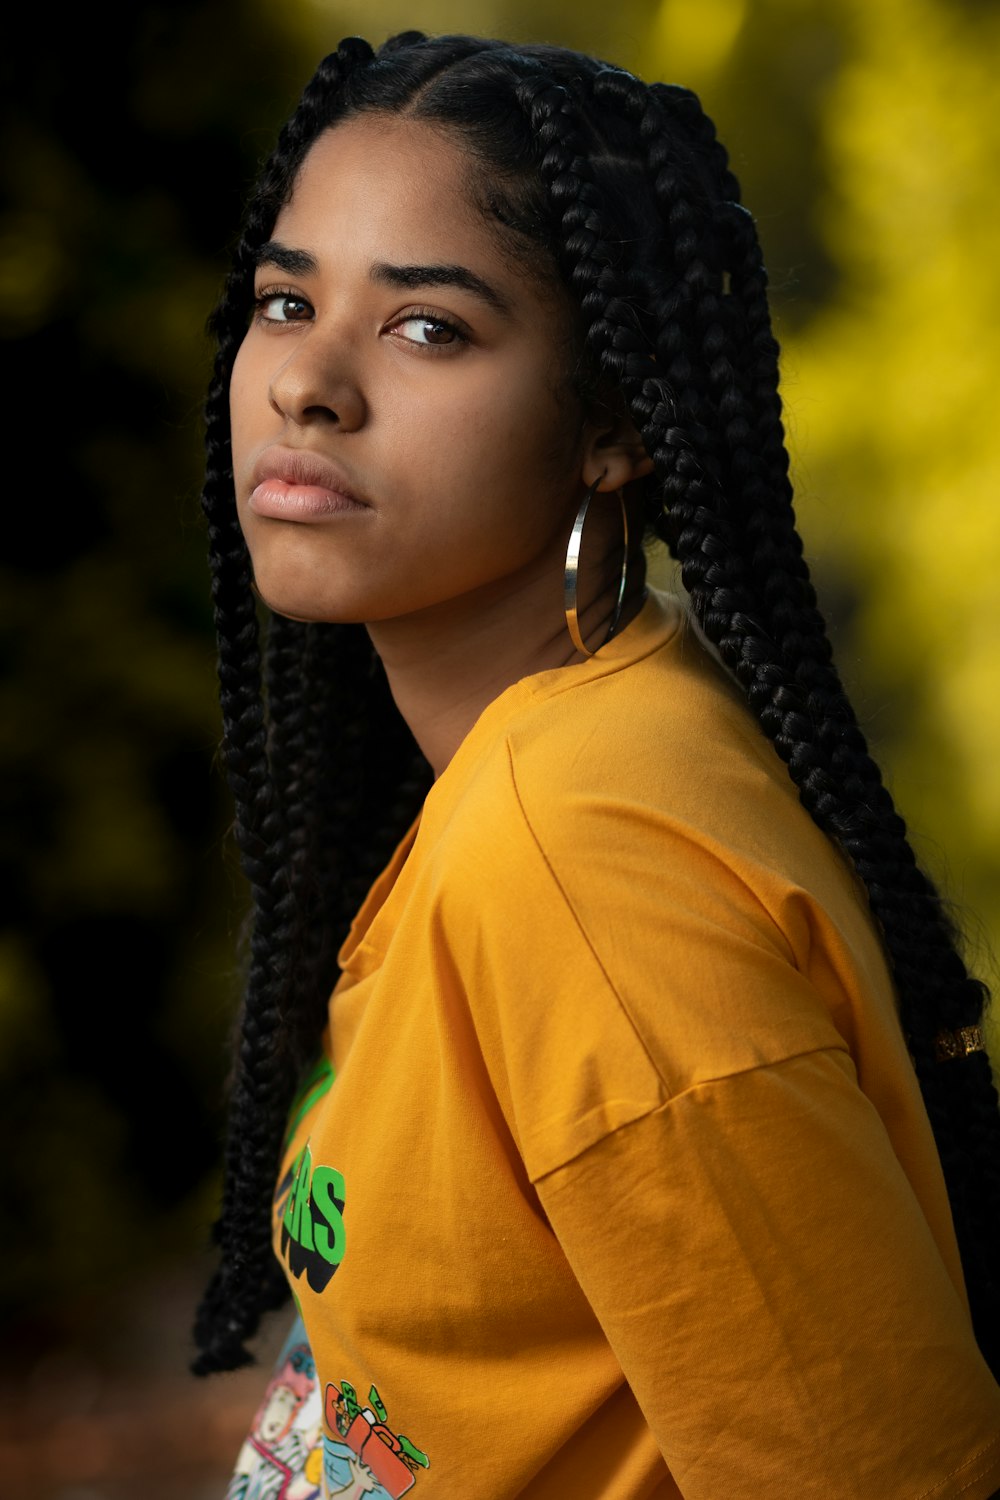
(612, 447)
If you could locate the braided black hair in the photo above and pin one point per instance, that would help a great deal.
(623, 192)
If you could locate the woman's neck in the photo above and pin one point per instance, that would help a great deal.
(445, 665)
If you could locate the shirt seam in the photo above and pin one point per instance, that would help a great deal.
(684, 1093)
(578, 924)
(981, 1471)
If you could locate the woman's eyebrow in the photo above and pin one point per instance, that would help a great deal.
(412, 278)
(284, 258)
(407, 278)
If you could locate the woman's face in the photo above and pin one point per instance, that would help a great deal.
(405, 437)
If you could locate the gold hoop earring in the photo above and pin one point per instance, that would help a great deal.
(570, 576)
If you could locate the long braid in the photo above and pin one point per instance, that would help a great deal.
(297, 697)
(331, 674)
(288, 713)
(742, 562)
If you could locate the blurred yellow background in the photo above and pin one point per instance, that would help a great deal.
(866, 137)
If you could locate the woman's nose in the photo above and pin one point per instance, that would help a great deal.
(315, 384)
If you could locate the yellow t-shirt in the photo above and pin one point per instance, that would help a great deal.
(624, 1187)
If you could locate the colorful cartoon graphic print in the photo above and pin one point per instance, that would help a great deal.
(282, 1459)
(366, 1457)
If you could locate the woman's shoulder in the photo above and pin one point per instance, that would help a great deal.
(661, 740)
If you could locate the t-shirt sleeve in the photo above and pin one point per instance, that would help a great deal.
(771, 1289)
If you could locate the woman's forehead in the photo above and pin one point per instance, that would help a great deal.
(388, 171)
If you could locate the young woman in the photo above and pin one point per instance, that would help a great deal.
(648, 1145)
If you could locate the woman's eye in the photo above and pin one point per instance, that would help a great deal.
(432, 332)
(282, 307)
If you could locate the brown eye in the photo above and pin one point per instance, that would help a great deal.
(432, 332)
(283, 307)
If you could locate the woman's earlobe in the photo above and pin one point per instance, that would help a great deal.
(618, 454)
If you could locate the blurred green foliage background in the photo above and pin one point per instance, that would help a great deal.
(866, 137)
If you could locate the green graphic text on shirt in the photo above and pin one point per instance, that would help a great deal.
(310, 1201)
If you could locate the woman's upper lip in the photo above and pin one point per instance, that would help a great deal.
(302, 466)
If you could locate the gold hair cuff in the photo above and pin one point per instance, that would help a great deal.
(960, 1043)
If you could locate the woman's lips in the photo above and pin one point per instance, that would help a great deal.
(296, 484)
(285, 501)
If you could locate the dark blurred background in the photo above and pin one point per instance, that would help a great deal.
(866, 139)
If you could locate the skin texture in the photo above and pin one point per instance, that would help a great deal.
(453, 420)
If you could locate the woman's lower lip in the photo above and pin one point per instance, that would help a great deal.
(299, 502)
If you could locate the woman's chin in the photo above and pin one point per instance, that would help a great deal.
(298, 589)
(307, 609)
